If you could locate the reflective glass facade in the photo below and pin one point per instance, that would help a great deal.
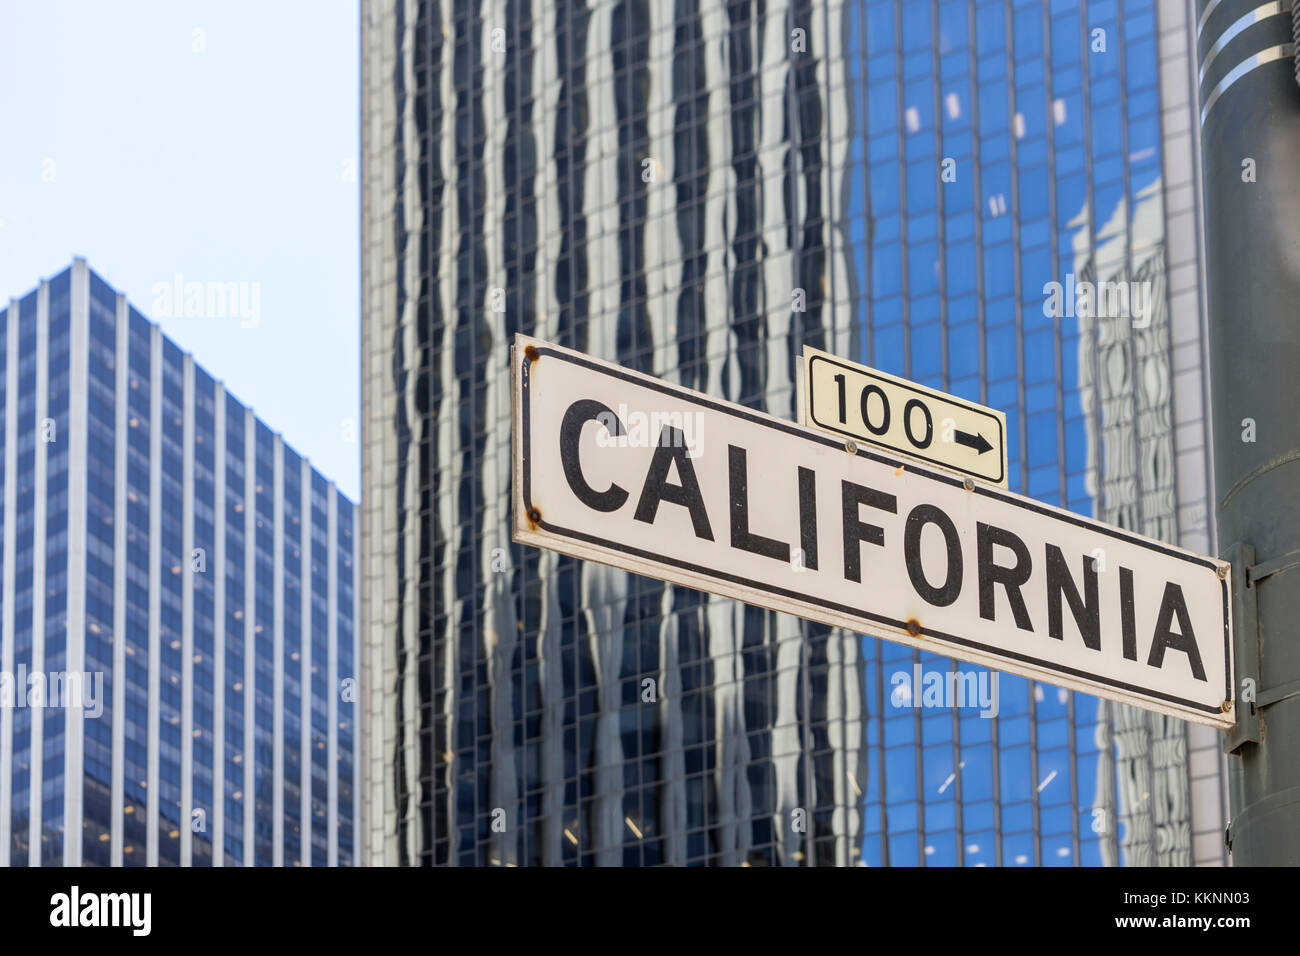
(133, 562)
(696, 190)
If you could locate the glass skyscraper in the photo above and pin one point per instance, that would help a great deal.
(172, 566)
(697, 189)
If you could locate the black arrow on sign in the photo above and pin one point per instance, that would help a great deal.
(978, 442)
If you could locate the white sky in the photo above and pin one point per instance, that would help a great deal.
(234, 164)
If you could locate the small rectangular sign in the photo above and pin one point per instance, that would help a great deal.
(614, 466)
(853, 401)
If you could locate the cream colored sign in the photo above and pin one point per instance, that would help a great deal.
(852, 401)
(614, 466)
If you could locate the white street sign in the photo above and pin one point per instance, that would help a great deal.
(625, 469)
(853, 401)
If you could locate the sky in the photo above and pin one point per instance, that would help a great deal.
(214, 141)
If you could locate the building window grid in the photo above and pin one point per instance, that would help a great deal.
(1025, 463)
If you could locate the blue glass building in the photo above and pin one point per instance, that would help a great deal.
(165, 547)
(658, 184)
(1069, 130)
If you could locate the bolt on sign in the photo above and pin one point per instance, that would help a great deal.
(853, 401)
(614, 466)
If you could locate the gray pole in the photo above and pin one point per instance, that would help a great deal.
(1250, 133)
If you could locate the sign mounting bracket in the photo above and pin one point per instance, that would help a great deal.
(1245, 646)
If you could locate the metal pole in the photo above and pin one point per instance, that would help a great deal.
(1250, 133)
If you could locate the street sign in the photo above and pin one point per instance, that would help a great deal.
(853, 401)
(614, 466)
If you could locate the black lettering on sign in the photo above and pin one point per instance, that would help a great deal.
(884, 408)
(855, 529)
(919, 517)
(808, 516)
(1128, 617)
(672, 450)
(907, 423)
(578, 414)
(741, 536)
(991, 574)
(1086, 610)
(1185, 641)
